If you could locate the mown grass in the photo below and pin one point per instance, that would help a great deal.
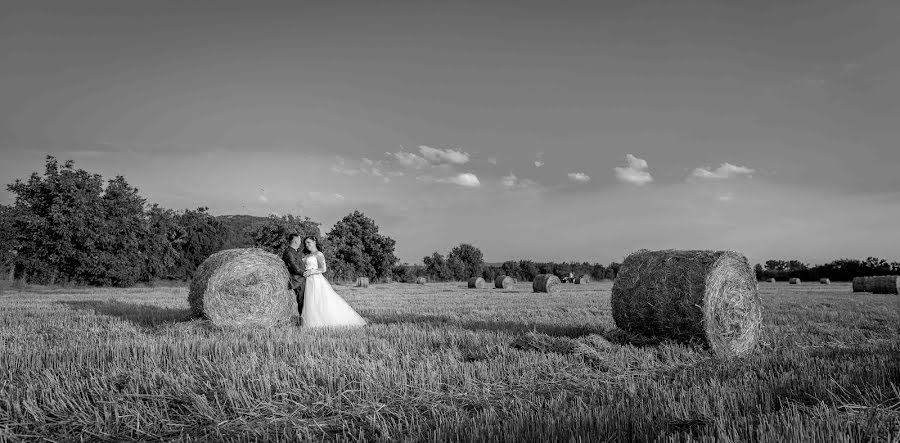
(441, 362)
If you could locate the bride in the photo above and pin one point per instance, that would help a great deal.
(321, 305)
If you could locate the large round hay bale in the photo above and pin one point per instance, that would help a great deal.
(362, 282)
(885, 284)
(548, 283)
(242, 287)
(503, 282)
(868, 283)
(583, 279)
(771, 280)
(859, 284)
(476, 283)
(824, 281)
(794, 281)
(421, 281)
(711, 296)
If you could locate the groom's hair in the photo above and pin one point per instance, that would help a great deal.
(291, 237)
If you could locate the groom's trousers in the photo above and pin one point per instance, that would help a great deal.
(299, 292)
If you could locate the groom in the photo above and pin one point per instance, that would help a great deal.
(292, 257)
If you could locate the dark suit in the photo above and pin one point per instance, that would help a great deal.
(294, 261)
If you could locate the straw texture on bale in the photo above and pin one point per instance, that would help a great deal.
(548, 283)
(885, 284)
(242, 287)
(421, 281)
(584, 279)
(859, 284)
(503, 282)
(825, 281)
(476, 283)
(794, 281)
(362, 282)
(711, 296)
(771, 280)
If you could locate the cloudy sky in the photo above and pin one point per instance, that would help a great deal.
(546, 130)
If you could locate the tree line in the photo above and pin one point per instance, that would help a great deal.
(844, 269)
(69, 227)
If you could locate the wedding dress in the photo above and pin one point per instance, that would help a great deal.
(321, 305)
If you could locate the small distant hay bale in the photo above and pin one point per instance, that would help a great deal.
(794, 281)
(689, 295)
(885, 284)
(859, 284)
(503, 282)
(362, 282)
(476, 283)
(421, 281)
(242, 287)
(824, 281)
(548, 283)
(771, 280)
(583, 280)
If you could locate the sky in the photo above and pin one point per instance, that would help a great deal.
(578, 131)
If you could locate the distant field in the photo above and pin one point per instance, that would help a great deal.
(441, 362)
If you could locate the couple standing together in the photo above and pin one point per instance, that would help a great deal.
(317, 302)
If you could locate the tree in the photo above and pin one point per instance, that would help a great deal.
(466, 261)
(356, 249)
(758, 269)
(436, 267)
(8, 244)
(528, 270)
(272, 235)
(511, 268)
(204, 235)
(162, 243)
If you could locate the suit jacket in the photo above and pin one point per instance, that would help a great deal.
(293, 259)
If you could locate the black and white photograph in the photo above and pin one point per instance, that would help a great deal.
(450, 221)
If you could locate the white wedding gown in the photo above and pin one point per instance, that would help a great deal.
(321, 305)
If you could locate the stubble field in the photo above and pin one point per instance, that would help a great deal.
(441, 362)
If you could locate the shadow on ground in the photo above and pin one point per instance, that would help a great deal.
(140, 315)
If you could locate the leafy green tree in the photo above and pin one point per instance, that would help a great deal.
(511, 268)
(356, 249)
(528, 270)
(272, 235)
(466, 261)
(204, 235)
(162, 244)
(8, 244)
(436, 267)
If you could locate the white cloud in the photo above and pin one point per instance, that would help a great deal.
(368, 166)
(725, 170)
(466, 179)
(263, 198)
(540, 160)
(492, 161)
(579, 177)
(725, 198)
(409, 160)
(512, 182)
(436, 155)
(635, 173)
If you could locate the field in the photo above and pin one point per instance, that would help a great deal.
(441, 362)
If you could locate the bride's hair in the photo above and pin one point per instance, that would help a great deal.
(314, 238)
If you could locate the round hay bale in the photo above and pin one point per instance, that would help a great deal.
(794, 281)
(242, 287)
(824, 281)
(583, 280)
(548, 283)
(421, 281)
(503, 282)
(859, 284)
(868, 283)
(885, 284)
(362, 282)
(688, 295)
(476, 283)
(771, 280)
